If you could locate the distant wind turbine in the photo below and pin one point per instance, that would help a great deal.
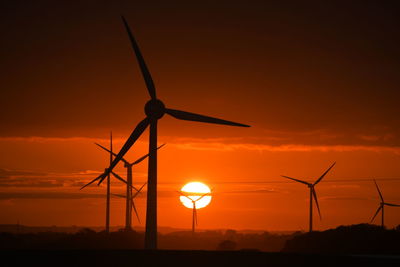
(129, 187)
(132, 204)
(108, 187)
(313, 194)
(154, 110)
(382, 206)
(194, 216)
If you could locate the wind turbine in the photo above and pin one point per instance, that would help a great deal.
(382, 206)
(130, 199)
(154, 110)
(108, 186)
(313, 194)
(128, 165)
(194, 216)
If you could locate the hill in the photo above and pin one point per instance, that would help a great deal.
(352, 239)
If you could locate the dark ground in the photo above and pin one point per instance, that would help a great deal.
(353, 245)
(184, 240)
(360, 239)
(183, 258)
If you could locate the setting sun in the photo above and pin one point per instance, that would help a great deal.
(195, 192)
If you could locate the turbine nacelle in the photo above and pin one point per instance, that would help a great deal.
(154, 109)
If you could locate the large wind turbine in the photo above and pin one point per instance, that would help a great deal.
(382, 206)
(313, 194)
(132, 204)
(128, 165)
(194, 208)
(154, 110)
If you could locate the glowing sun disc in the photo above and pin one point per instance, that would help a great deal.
(194, 191)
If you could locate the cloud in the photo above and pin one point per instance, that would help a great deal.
(28, 178)
(251, 191)
(345, 198)
(206, 145)
(7, 173)
(370, 137)
(29, 183)
(320, 140)
(23, 178)
(41, 139)
(378, 138)
(350, 186)
(47, 195)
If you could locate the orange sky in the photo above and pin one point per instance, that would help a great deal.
(249, 194)
(318, 84)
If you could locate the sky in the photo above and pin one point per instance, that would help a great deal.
(318, 83)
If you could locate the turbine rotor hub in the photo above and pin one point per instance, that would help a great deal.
(154, 109)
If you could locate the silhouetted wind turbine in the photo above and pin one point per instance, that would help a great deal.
(108, 186)
(128, 166)
(313, 194)
(194, 216)
(154, 110)
(132, 204)
(382, 206)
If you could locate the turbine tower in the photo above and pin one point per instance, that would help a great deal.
(129, 186)
(154, 110)
(108, 190)
(313, 194)
(382, 206)
(194, 216)
(132, 205)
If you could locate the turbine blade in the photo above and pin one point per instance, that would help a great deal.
(145, 72)
(134, 208)
(91, 182)
(379, 191)
(118, 177)
(122, 180)
(140, 159)
(118, 195)
(138, 191)
(376, 213)
(183, 115)
(114, 154)
(131, 140)
(180, 192)
(297, 180)
(323, 175)
(111, 148)
(206, 194)
(144, 157)
(316, 202)
(392, 205)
